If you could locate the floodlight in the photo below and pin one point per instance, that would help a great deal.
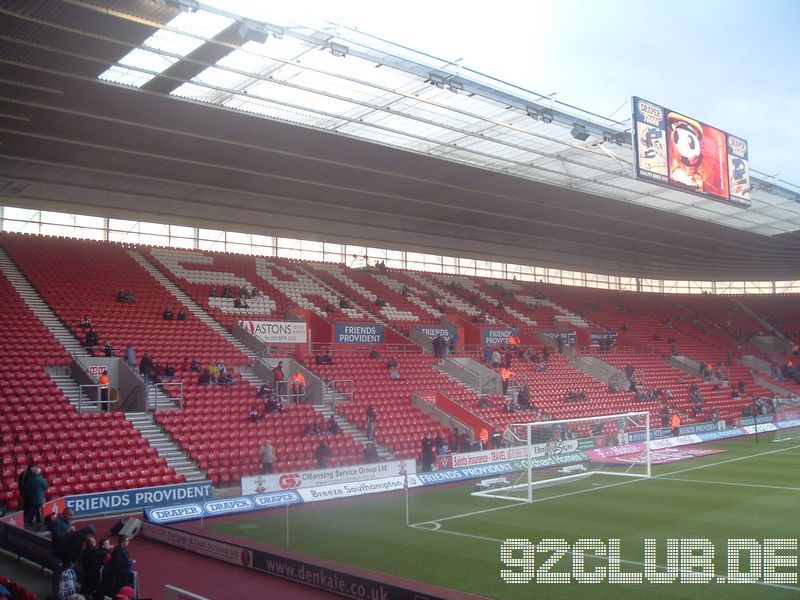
(182, 5)
(579, 132)
(338, 50)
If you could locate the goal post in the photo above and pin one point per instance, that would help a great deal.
(556, 452)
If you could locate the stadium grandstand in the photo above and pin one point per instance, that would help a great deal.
(191, 199)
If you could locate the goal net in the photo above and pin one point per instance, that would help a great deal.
(555, 452)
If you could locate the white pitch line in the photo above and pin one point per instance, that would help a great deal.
(610, 485)
(733, 483)
(622, 560)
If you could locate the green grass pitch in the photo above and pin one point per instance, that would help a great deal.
(750, 491)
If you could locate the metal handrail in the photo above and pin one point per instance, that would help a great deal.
(163, 384)
(480, 380)
(99, 402)
(332, 387)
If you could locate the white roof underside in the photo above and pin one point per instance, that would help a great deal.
(356, 85)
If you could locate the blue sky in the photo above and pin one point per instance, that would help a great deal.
(732, 64)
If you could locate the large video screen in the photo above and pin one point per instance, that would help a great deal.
(680, 152)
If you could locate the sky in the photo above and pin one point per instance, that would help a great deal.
(732, 64)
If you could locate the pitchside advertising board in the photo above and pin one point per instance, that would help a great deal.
(126, 500)
(677, 151)
(278, 332)
(496, 336)
(470, 459)
(359, 333)
(306, 479)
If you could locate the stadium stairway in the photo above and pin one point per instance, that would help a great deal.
(62, 378)
(167, 449)
(350, 429)
(39, 307)
(187, 301)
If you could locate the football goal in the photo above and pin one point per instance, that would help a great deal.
(556, 452)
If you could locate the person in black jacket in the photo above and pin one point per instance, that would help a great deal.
(70, 548)
(22, 482)
(146, 368)
(121, 564)
(61, 526)
(35, 487)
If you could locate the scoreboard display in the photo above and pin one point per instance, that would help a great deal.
(680, 152)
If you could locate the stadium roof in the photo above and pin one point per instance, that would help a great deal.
(187, 113)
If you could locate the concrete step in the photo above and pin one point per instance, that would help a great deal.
(189, 302)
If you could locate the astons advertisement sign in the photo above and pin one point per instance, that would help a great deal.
(278, 332)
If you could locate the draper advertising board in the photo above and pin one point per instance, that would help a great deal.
(278, 332)
(680, 152)
(305, 479)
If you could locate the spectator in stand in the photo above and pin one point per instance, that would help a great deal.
(524, 397)
(181, 315)
(255, 415)
(298, 386)
(122, 295)
(675, 423)
(487, 355)
(332, 426)
(427, 452)
(545, 353)
(195, 365)
(104, 387)
(213, 371)
(69, 549)
(65, 582)
(441, 445)
(35, 487)
(212, 293)
(92, 339)
(267, 457)
(130, 355)
(60, 526)
(273, 406)
(167, 314)
(344, 302)
(560, 344)
(86, 322)
(371, 453)
(22, 484)
(92, 560)
(392, 364)
(372, 418)
(205, 378)
(496, 359)
(323, 455)
(374, 354)
(228, 378)
(280, 379)
(264, 392)
(146, 368)
(327, 358)
(121, 565)
(505, 375)
(394, 372)
(664, 414)
(630, 371)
